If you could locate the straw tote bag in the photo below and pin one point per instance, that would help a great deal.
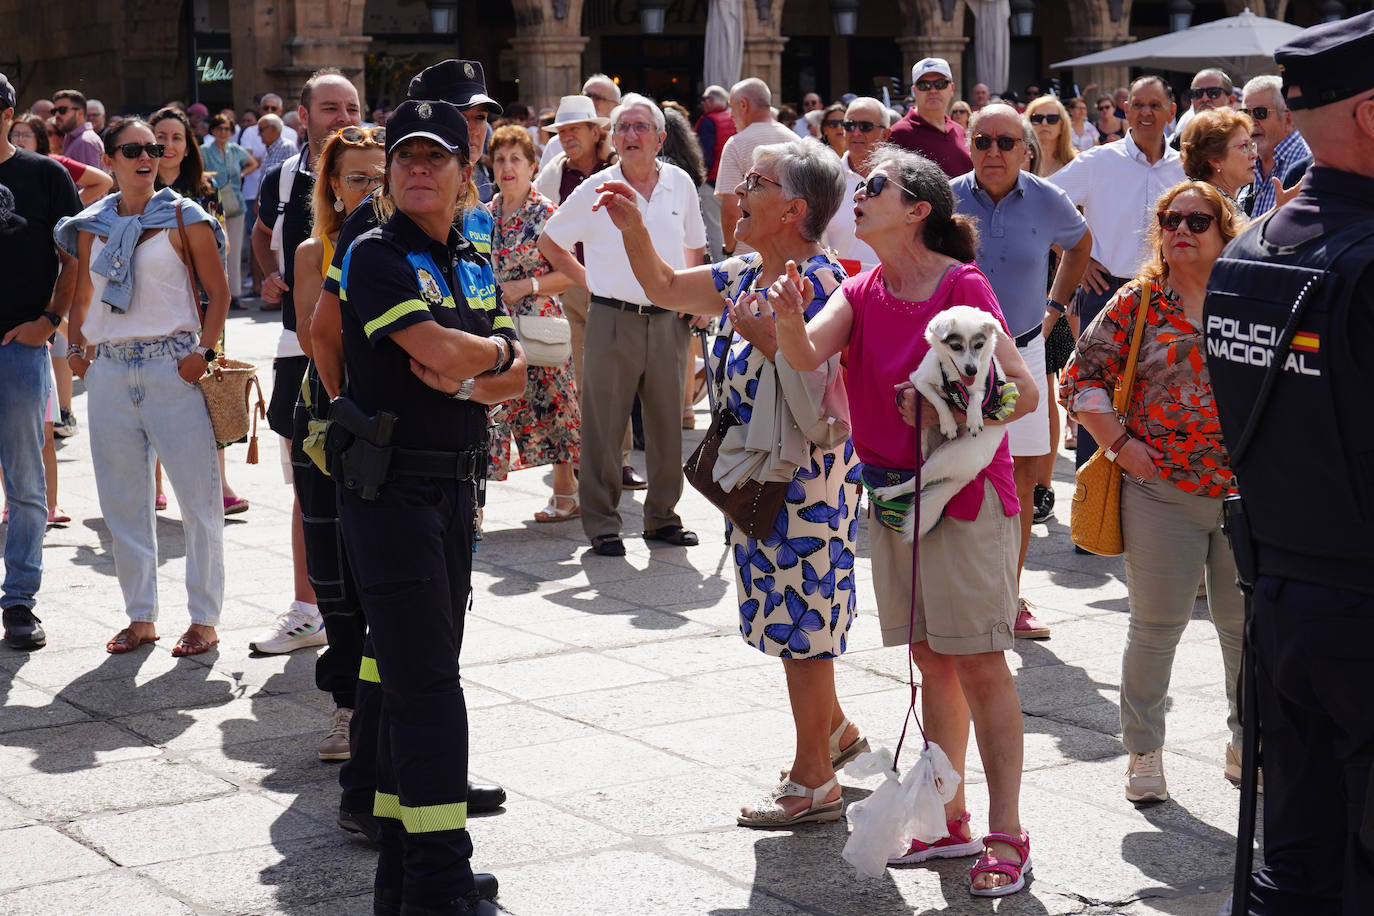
(1095, 520)
(227, 383)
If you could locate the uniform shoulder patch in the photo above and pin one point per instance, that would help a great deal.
(429, 287)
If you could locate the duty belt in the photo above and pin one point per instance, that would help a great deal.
(629, 306)
(465, 465)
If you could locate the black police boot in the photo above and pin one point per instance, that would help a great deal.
(462, 906)
(360, 822)
(485, 799)
(386, 901)
(22, 630)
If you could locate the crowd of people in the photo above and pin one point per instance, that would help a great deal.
(467, 289)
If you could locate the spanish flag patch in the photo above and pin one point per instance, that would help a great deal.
(1307, 342)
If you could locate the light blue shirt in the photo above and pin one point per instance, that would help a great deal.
(1014, 239)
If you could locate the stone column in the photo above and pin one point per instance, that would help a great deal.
(918, 47)
(1098, 25)
(763, 58)
(550, 67)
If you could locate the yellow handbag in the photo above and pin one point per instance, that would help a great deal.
(1095, 520)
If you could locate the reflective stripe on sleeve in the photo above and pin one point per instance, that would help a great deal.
(392, 314)
(367, 671)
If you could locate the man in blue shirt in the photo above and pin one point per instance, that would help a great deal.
(1021, 218)
(1283, 153)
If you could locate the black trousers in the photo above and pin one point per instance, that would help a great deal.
(1089, 305)
(411, 552)
(1314, 651)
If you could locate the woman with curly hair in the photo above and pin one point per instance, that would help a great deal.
(1216, 147)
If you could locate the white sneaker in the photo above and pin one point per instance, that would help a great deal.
(299, 627)
(1145, 777)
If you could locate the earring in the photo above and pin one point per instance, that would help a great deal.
(338, 205)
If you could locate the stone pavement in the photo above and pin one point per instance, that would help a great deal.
(613, 698)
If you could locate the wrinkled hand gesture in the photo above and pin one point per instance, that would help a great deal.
(752, 318)
(787, 294)
(619, 201)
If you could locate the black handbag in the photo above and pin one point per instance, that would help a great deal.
(1059, 346)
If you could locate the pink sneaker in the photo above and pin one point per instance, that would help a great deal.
(1028, 626)
(949, 847)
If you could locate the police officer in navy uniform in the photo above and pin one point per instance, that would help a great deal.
(427, 344)
(461, 82)
(1295, 292)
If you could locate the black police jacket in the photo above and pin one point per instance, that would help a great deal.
(1307, 473)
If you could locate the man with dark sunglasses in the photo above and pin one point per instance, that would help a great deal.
(79, 142)
(1288, 316)
(927, 128)
(865, 126)
(1283, 154)
(1211, 88)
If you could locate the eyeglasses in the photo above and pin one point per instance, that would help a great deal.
(271, 109)
(1247, 146)
(1108, 106)
(832, 124)
(599, 98)
(362, 136)
(1005, 144)
(358, 180)
(751, 181)
(134, 150)
(863, 127)
(1211, 92)
(874, 186)
(1170, 220)
(927, 85)
(633, 127)
(1258, 113)
(63, 109)
(1045, 119)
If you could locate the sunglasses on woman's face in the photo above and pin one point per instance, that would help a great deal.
(1045, 119)
(363, 136)
(1198, 222)
(134, 150)
(875, 184)
(832, 124)
(1005, 144)
(1105, 107)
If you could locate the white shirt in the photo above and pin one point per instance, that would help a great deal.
(1117, 187)
(251, 140)
(163, 303)
(840, 233)
(672, 215)
(737, 158)
(551, 149)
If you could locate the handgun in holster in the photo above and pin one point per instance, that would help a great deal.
(359, 447)
(1237, 529)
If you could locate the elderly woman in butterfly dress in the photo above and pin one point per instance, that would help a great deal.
(796, 585)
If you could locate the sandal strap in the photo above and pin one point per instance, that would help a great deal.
(793, 789)
(996, 864)
(1021, 844)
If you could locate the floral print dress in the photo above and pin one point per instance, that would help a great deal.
(546, 421)
(796, 586)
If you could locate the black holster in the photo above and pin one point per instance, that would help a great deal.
(1237, 529)
(358, 447)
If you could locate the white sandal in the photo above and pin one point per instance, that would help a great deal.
(770, 815)
(838, 758)
(551, 512)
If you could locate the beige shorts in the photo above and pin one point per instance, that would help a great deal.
(967, 600)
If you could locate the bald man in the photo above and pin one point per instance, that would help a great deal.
(751, 109)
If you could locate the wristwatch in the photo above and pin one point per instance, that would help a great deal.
(209, 354)
(1061, 309)
(55, 318)
(1115, 448)
(464, 391)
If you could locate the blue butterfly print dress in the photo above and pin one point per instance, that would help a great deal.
(796, 586)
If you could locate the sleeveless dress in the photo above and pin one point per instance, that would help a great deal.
(796, 587)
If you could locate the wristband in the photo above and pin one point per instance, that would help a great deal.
(1050, 303)
(502, 351)
(534, 286)
(510, 356)
(55, 318)
(1115, 448)
(74, 350)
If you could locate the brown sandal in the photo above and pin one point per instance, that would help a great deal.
(126, 640)
(192, 643)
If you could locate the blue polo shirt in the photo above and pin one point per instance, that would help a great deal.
(1014, 239)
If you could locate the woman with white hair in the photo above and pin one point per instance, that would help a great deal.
(795, 584)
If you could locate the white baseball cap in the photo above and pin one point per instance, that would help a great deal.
(931, 65)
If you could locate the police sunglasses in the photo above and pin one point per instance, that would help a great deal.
(874, 186)
(863, 127)
(362, 136)
(1045, 119)
(134, 150)
(1170, 220)
(927, 85)
(1258, 113)
(1211, 92)
(1005, 144)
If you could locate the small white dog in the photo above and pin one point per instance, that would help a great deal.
(960, 369)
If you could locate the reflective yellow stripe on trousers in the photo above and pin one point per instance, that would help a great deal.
(422, 818)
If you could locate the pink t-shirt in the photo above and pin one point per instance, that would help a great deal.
(886, 344)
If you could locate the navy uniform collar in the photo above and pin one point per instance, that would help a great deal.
(410, 235)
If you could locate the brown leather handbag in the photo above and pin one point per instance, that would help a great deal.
(752, 506)
(1095, 520)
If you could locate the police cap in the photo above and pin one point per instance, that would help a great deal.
(1328, 62)
(441, 122)
(461, 82)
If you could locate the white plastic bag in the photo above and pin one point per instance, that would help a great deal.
(898, 811)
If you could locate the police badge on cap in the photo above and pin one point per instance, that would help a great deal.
(461, 82)
(438, 121)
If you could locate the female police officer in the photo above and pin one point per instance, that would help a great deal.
(427, 344)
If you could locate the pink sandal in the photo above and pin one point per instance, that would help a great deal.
(1016, 871)
(947, 847)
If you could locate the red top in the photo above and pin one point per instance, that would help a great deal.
(948, 148)
(724, 129)
(886, 344)
(74, 168)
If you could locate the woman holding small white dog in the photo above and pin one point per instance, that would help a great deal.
(796, 585)
(959, 621)
(1169, 446)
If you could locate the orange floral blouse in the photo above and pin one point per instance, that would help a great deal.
(1171, 407)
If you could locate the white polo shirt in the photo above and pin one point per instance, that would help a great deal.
(672, 215)
(840, 233)
(1118, 188)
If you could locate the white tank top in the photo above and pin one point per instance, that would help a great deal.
(162, 303)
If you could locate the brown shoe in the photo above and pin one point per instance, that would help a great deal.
(631, 480)
(126, 640)
(193, 643)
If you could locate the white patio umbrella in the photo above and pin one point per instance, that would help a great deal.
(1241, 45)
